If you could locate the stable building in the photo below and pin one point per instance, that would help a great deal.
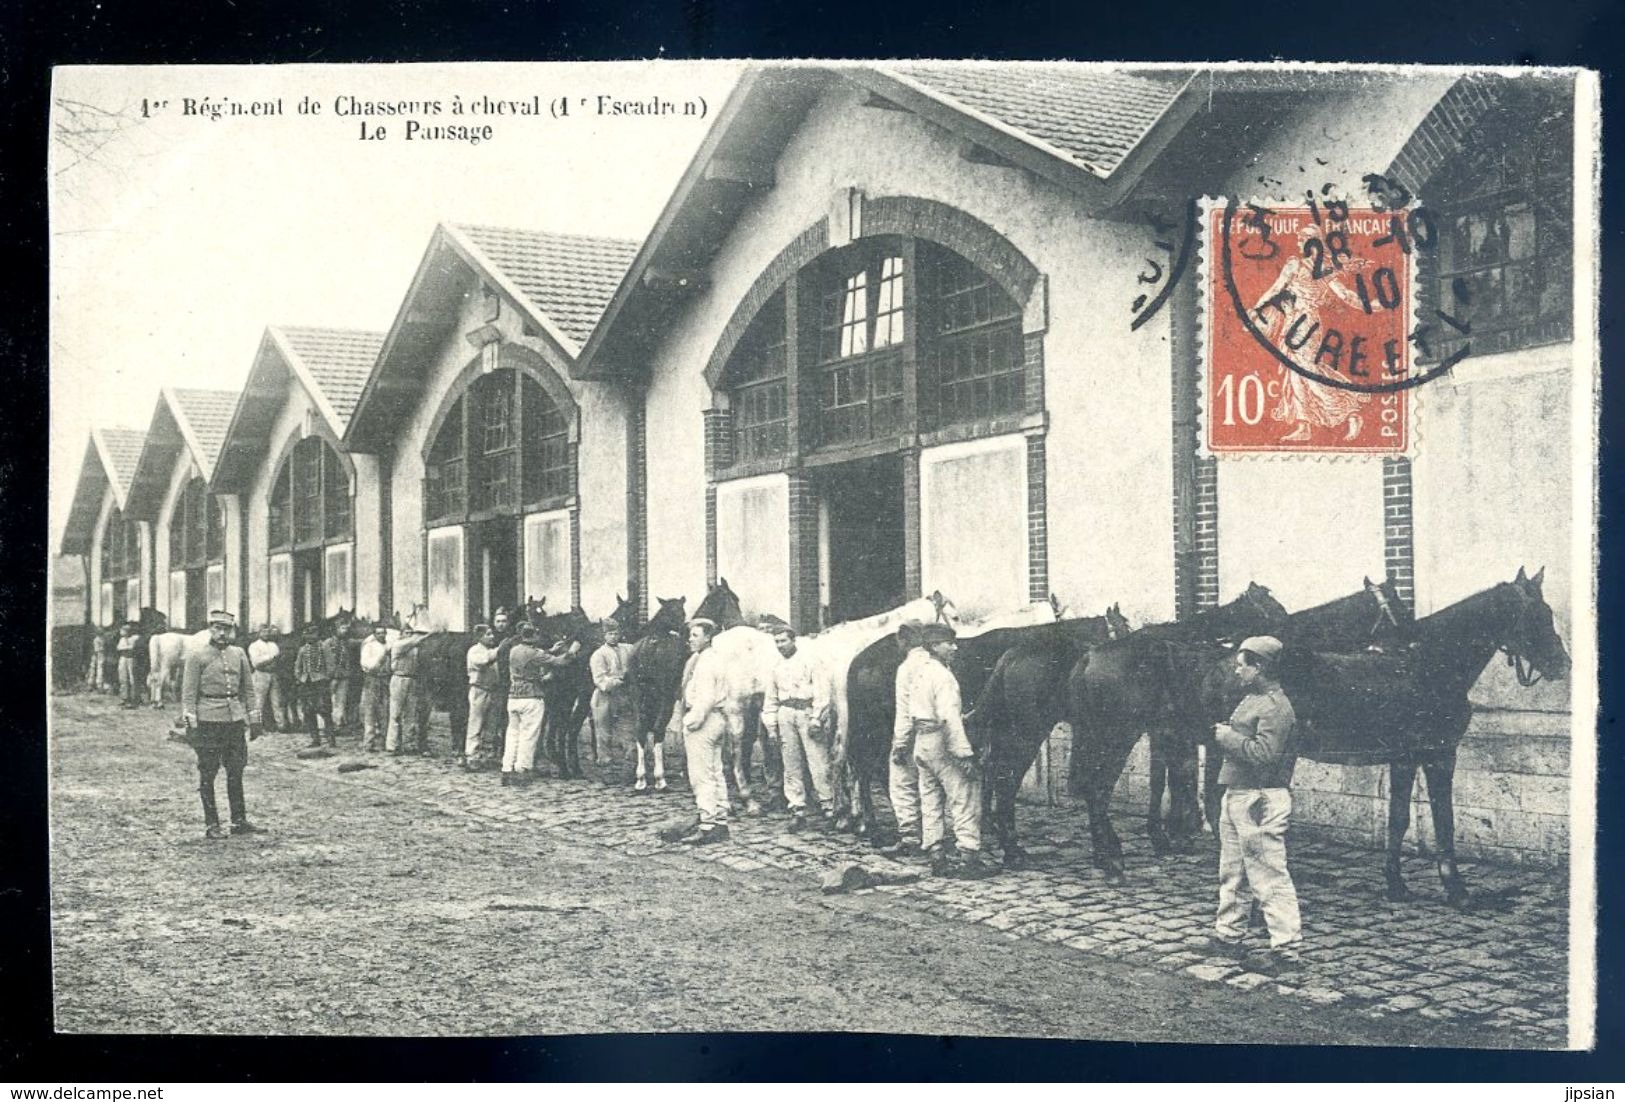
(503, 477)
(197, 535)
(117, 546)
(311, 533)
(883, 340)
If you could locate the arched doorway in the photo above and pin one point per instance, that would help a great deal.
(311, 534)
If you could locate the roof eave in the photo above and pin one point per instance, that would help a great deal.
(221, 480)
(586, 365)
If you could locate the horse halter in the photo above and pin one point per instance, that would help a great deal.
(1524, 669)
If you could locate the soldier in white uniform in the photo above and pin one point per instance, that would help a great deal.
(704, 729)
(798, 705)
(950, 781)
(903, 780)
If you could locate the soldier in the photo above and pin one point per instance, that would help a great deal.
(404, 692)
(704, 729)
(526, 709)
(482, 682)
(614, 711)
(798, 704)
(263, 655)
(128, 642)
(217, 700)
(1257, 773)
(903, 780)
(375, 674)
(346, 654)
(96, 678)
(950, 783)
(312, 673)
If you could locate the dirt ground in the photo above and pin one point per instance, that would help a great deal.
(378, 908)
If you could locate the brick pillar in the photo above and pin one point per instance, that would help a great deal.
(1037, 521)
(911, 523)
(718, 455)
(804, 603)
(1195, 487)
(1399, 544)
(637, 506)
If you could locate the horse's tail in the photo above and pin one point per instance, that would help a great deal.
(1077, 710)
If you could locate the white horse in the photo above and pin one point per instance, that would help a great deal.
(166, 654)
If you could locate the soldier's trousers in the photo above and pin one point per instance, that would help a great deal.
(1252, 854)
(903, 788)
(374, 708)
(804, 751)
(314, 701)
(341, 702)
(706, 775)
(403, 712)
(525, 718)
(268, 698)
(949, 790)
(127, 688)
(221, 744)
(480, 725)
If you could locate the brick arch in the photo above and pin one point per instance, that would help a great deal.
(808, 245)
(1445, 132)
(326, 434)
(512, 357)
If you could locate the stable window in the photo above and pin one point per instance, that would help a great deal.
(503, 445)
(860, 368)
(310, 499)
(1504, 225)
(121, 547)
(758, 378)
(971, 365)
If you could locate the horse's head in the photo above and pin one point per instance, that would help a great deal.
(1117, 625)
(721, 606)
(1262, 603)
(671, 615)
(1531, 643)
(626, 613)
(536, 610)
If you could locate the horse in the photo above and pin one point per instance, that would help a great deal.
(442, 680)
(871, 693)
(166, 655)
(1021, 702)
(1121, 689)
(749, 655)
(654, 670)
(1410, 710)
(568, 692)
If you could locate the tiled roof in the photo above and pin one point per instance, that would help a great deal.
(339, 360)
(568, 278)
(123, 448)
(1088, 114)
(208, 412)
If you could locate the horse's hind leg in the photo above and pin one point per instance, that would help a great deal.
(1155, 832)
(1401, 780)
(1441, 777)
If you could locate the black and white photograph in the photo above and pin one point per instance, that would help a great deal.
(998, 549)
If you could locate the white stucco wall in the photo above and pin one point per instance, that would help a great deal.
(1107, 389)
(601, 473)
(101, 614)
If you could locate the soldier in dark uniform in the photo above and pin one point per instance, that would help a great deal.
(217, 703)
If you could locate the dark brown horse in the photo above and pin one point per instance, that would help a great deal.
(1019, 705)
(567, 692)
(1151, 681)
(655, 673)
(1410, 710)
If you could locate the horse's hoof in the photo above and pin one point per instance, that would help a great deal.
(1015, 858)
(842, 822)
(661, 786)
(1458, 897)
(1114, 876)
(1160, 846)
(1398, 892)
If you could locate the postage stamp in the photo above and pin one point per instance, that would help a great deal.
(1309, 337)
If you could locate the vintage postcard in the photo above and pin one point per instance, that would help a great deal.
(1017, 549)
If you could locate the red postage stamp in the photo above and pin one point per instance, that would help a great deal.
(1308, 315)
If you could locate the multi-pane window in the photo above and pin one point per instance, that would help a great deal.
(505, 444)
(310, 499)
(191, 540)
(860, 350)
(758, 374)
(121, 548)
(971, 364)
(1505, 261)
(215, 541)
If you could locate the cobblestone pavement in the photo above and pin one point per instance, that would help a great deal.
(1499, 969)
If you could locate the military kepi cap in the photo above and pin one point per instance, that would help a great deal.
(935, 633)
(1265, 646)
(221, 616)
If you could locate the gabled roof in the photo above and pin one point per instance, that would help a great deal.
(195, 420)
(110, 459)
(1091, 129)
(559, 283)
(330, 364)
